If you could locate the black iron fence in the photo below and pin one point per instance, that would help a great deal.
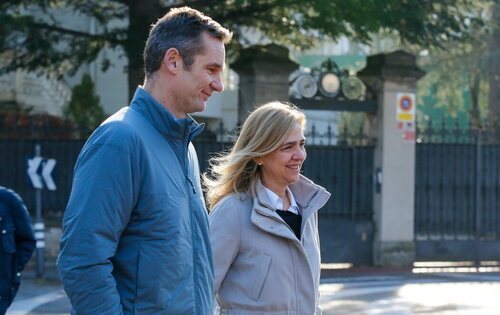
(344, 168)
(342, 162)
(457, 180)
(329, 135)
(455, 133)
(14, 155)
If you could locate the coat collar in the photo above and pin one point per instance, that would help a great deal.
(162, 119)
(309, 196)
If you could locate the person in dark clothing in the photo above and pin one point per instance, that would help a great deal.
(17, 243)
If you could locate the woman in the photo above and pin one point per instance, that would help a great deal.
(263, 220)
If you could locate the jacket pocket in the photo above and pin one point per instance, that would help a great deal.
(8, 241)
(260, 277)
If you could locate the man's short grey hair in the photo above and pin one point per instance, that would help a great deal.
(180, 28)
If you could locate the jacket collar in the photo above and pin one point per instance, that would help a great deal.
(309, 196)
(162, 119)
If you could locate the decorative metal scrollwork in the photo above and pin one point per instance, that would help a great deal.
(326, 82)
(353, 88)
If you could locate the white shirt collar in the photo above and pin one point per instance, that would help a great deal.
(277, 202)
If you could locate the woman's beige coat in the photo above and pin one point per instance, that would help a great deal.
(260, 265)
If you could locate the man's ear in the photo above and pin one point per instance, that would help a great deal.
(172, 60)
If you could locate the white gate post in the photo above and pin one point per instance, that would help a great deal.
(393, 77)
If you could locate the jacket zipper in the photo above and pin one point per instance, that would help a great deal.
(281, 222)
(191, 183)
(186, 159)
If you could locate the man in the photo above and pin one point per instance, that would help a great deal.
(17, 243)
(135, 231)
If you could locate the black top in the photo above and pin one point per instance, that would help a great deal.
(293, 220)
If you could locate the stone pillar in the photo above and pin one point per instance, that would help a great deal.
(263, 76)
(392, 78)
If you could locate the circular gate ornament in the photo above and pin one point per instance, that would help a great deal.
(306, 85)
(353, 88)
(329, 84)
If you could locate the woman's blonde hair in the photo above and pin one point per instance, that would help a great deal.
(264, 131)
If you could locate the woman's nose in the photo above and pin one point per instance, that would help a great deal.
(300, 154)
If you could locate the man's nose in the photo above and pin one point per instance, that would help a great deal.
(217, 84)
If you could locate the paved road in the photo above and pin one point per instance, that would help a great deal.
(441, 294)
(437, 294)
(37, 297)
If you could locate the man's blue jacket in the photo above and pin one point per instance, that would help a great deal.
(135, 231)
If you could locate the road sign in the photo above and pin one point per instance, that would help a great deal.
(40, 172)
(405, 107)
(405, 115)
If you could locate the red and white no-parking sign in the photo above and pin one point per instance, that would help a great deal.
(406, 107)
(405, 114)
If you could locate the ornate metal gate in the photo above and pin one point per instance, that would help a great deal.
(457, 202)
(346, 222)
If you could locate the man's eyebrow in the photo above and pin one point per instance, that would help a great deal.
(215, 65)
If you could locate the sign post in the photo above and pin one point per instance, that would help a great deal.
(40, 174)
(39, 225)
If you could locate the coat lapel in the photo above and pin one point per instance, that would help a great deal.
(265, 218)
(309, 196)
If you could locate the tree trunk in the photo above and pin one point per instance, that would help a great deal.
(142, 13)
(494, 80)
(135, 74)
(475, 113)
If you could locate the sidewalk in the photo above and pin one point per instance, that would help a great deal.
(47, 297)
(365, 271)
(38, 296)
